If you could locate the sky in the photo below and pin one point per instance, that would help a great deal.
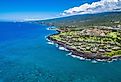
(19, 10)
(95, 7)
(36, 9)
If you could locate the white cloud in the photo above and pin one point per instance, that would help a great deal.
(95, 7)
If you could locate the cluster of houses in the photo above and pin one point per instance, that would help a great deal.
(94, 48)
(94, 32)
(76, 41)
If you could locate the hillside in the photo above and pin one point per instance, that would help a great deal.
(102, 19)
(95, 36)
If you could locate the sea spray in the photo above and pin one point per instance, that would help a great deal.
(69, 54)
(51, 43)
(94, 61)
(81, 58)
(63, 48)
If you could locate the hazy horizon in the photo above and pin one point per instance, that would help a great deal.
(21, 10)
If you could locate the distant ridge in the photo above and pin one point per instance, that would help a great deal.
(101, 19)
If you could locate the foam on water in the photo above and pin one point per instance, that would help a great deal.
(94, 61)
(81, 58)
(51, 43)
(62, 48)
(25, 56)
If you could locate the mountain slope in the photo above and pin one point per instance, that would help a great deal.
(102, 19)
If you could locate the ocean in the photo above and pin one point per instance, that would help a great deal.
(26, 56)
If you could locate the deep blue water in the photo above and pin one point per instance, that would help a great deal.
(25, 56)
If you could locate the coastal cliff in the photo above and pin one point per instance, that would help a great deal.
(92, 43)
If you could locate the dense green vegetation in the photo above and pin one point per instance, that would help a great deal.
(98, 34)
(102, 19)
(113, 53)
(104, 42)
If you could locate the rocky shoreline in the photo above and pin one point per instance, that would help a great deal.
(82, 54)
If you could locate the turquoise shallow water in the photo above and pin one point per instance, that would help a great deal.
(25, 56)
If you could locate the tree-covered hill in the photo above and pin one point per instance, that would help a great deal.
(101, 19)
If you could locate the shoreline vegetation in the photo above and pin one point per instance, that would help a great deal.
(91, 36)
(96, 43)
